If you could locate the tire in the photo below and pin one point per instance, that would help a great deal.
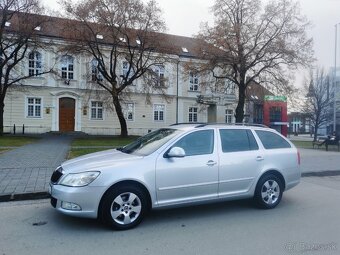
(268, 192)
(123, 207)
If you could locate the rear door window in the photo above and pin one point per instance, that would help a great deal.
(271, 140)
(233, 140)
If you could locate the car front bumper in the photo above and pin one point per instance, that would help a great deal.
(87, 198)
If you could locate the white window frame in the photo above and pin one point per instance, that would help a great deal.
(125, 68)
(96, 108)
(34, 63)
(229, 116)
(157, 113)
(34, 105)
(95, 74)
(193, 81)
(130, 110)
(67, 67)
(230, 87)
(160, 72)
(192, 114)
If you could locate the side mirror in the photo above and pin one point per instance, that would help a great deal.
(175, 152)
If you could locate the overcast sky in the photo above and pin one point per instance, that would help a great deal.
(183, 17)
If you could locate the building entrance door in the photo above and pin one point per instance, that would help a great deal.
(66, 114)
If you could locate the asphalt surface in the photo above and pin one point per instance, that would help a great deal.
(305, 222)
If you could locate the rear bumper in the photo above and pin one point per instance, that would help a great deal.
(87, 198)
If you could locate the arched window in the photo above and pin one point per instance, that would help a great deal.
(34, 63)
(95, 73)
(67, 71)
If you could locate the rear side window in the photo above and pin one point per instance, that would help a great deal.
(197, 143)
(271, 140)
(233, 140)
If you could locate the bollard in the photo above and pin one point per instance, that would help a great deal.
(23, 129)
(14, 129)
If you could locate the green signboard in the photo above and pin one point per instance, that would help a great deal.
(275, 98)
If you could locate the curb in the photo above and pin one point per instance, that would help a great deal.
(24, 196)
(321, 174)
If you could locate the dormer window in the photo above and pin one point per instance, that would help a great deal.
(122, 39)
(185, 50)
(7, 24)
(38, 28)
(101, 37)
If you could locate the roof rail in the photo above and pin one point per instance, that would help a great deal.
(249, 124)
(203, 124)
(189, 123)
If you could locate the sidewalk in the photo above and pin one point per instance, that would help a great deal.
(28, 169)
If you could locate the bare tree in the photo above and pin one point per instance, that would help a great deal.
(256, 44)
(116, 33)
(18, 34)
(317, 104)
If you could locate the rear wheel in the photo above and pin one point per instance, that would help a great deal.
(124, 207)
(268, 191)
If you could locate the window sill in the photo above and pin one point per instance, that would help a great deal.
(195, 91)
(34, 118)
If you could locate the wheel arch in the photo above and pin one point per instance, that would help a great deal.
(126, 183)
(276, 173)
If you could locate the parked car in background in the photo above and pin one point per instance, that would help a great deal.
(178, 165)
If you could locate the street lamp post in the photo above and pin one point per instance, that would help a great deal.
(334, 79)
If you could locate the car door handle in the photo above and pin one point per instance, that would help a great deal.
(259, 158)
(211, 163)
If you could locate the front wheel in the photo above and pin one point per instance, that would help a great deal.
(268, 192)
(124, 207)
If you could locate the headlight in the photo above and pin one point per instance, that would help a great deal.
(80, 179)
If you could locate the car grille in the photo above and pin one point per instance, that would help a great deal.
(57, 174)
(53, 202)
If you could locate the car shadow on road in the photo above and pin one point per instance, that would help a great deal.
(161, 217)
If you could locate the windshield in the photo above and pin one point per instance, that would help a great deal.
(149, 143)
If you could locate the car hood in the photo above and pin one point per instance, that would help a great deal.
(98, 161)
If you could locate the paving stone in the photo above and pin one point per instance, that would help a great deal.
(29, 168)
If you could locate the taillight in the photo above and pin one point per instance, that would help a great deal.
(299, 157)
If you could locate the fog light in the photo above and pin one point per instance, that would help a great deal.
(70, 206)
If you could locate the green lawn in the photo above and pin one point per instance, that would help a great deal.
(3, 150)
(103, 141)
(96, 141)
(73, 153)
(16, 141)
(303, 144)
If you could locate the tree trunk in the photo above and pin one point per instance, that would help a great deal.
(120, 115)
(239, 115)
(316, 132)
(2, 107)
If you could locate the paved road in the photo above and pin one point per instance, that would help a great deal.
(306, 222)
(28, 168)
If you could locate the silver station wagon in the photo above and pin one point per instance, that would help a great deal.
(179, 165)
